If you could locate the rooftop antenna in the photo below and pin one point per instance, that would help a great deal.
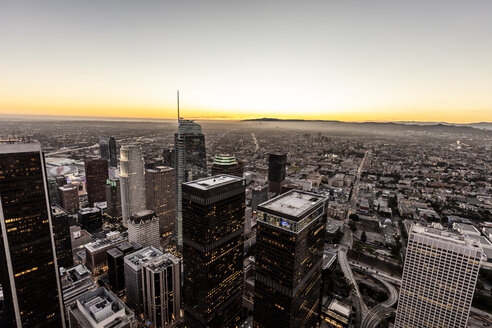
(178, 106)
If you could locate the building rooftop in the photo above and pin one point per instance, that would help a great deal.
(212, 182)
(142, 256)
(162, 261)
(103, 243)
(224, 160)
(294, 203)
(89, 210)
(446, 236)
(142, 216)
(340, 308)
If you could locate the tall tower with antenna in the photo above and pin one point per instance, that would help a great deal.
(191, 162)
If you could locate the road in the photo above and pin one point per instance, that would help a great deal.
(383, 310)
(257, 145)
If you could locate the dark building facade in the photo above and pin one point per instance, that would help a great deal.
(289, 258)
(96, 174)
(169, 157)
(61, 232)
(159, 194)
(90, 219)
(213, 230)
(276, 172)
(259, 194)
(107, 147)
(113, 198)
(227, 164)
(28, 268)
(116, 264)
(69, 197)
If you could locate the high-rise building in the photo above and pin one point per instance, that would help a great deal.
(53, 191)
(132, 182)
(289, 258)
(116, 264)
(213, 230)
(28, 265)
(69, 197)
(133, 275)
(90, 218)
(439, 278)
(276, 172)
(113, 198)
(169, 157)
(96, 174)
(107, 147)
(100, 309)
(160, 190)
(191, 164)
(95, 252)
(61, 233)
(143, 228)
(162, 291)
(227, 164)
(259, 194)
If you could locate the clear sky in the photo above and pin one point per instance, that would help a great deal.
(423, 60)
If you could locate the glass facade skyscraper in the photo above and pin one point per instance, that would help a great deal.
(191, 163)
(107, 147)
(289, 258)
(132, 181)
(276, 172)
(28, 264)
(213, 230)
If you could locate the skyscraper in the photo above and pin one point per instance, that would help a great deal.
(160, 190)
(69, 197)
(439, 278)
(276, 172)
(132, 182)
(162, 290)
(116, 264)
(143, 228)
(191, 163)
(61, 233)
(28, 265)
(289, 258)
(113, 198)
(227, 164)
(96, 174)
(107, 147)
(213, 229)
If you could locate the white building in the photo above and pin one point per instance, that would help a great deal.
(162, 291)
(439, 278)
(132, 180)
(143, 228)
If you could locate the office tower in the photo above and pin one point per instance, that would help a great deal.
(191, 163)
(227, 164)
(101, 309)
(90, 218)
(116, 264)
(143, 228)
(53, 191)
(159, 191)
(27, 246)
(95, 252)
(169, 157)
(213, 230)
(133, 275)
(276, 172)
(289, 258)
(113, 198)
(132, 182)
(61, 232)
(162, 291)
(107, 147)
(96, 174)
(439, 278)
(259, 194)
(69, 197)
(75, 283)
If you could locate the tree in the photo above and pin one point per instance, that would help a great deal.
(363, 237)
(354, 217)
(352, 226)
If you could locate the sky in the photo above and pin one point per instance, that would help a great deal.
(366, 60)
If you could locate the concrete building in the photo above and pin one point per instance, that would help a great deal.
(133, 275)
(439, 278)
(143, 228)
(96, 258)
(116, 264)
(101, 309)
(69, 197)
(160, 188)
(289, 259)
(162, 292)
(75, 282)
(132, 182)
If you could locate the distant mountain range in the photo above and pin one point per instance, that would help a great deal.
(437, 125)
